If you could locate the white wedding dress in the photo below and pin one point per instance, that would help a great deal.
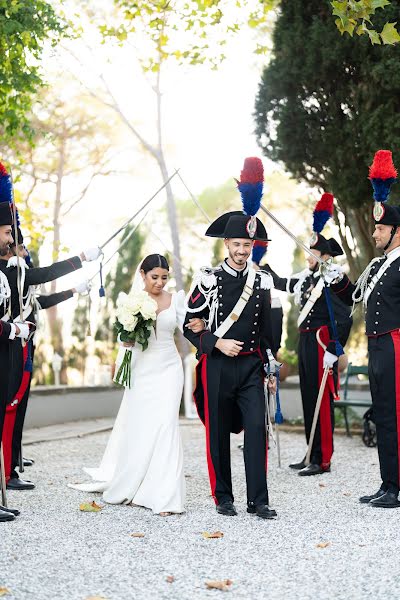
(143, 460)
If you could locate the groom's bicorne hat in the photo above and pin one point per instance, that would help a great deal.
(244, 224)
(323, 211)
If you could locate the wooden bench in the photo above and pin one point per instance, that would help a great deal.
(348, 398)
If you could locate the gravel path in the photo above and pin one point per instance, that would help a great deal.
(54, 551)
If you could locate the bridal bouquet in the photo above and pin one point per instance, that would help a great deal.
(136, 317)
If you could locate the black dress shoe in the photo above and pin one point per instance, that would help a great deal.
(313, 469)
(298, 466)
(262, 510)
(226, 508)
(15, 483)
(13, 511)
(6, 516)
(367, 499)
(28, 462)
(387, 500)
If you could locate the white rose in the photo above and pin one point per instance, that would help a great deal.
(130, 323)
(122, 299)
(149, 308)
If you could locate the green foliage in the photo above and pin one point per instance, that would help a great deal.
(187, 31)
(356, 16)
(324, 111)
(128, 259)
(25, 27)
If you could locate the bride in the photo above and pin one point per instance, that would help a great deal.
(143, 460)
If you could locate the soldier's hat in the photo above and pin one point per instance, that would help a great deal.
(323, 211)
(382, 175)
(236, 225)
(244, 224)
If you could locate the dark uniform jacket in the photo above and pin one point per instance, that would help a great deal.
(383, 306)
(319, 314)
(254, 326)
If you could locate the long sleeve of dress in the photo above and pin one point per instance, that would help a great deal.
(180, 309)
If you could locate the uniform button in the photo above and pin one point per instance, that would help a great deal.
(220, 278)
(252, 341)
(307, 328)
(256, 314)
(379, 293)
(257, 305)
(376, 322)
(258, 295)
(221, 314)
(251, 349)
(308, 320)
(377, 312)
(374, 331)
(220, 295)
(381, 282)
(378, 303)
(220, 287)
(385, 274)
(255, 322)
(253, 332)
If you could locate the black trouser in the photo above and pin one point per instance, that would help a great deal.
(231, 383)
(18, 430)
(384, 381)
(310, 358)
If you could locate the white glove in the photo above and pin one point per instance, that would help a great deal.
(329, 359)
(91, 253)
(24, 330)
(82, 287)
(332, 274)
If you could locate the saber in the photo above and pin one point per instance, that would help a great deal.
(3, 484)
(294, 238)
(140, 210)
(318, 404)
(19, 277)
(278, 442)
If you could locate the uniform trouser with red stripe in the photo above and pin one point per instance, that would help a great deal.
(227, 381)
(310, 372)
(384, 381)
(18, 429)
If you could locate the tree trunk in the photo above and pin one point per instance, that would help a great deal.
(55, 323)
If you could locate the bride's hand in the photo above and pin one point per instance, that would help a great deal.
(196, 325)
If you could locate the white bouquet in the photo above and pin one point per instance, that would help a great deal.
(136, 317)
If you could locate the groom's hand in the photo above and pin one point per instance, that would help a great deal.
(229, 347)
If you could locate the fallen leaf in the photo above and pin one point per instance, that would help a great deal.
(211, 536)
(4, 591)
(137, 535)
(187, 476)
(90, 507)
(96, 598)
(219, 585)
(322, 485)
(170, 579)
(362, 545)
(323, 544)
(346, 493)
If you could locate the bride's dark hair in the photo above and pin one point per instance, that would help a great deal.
(154, 261)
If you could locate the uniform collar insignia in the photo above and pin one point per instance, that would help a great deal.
(234, 272)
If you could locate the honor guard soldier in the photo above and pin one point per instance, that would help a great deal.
(15, 358)
(16, 410)
(308, 289)
(235, 302)
(379, 289)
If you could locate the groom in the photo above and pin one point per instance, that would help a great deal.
(235, 303)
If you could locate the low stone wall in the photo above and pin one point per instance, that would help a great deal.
(54, 405)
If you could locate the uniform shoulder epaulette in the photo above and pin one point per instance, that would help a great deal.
(207, 276)
(266, 281)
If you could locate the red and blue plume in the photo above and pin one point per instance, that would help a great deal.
(259, 251)
(322, 212)
(6, 194)
(382, 175)
(251, 185)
